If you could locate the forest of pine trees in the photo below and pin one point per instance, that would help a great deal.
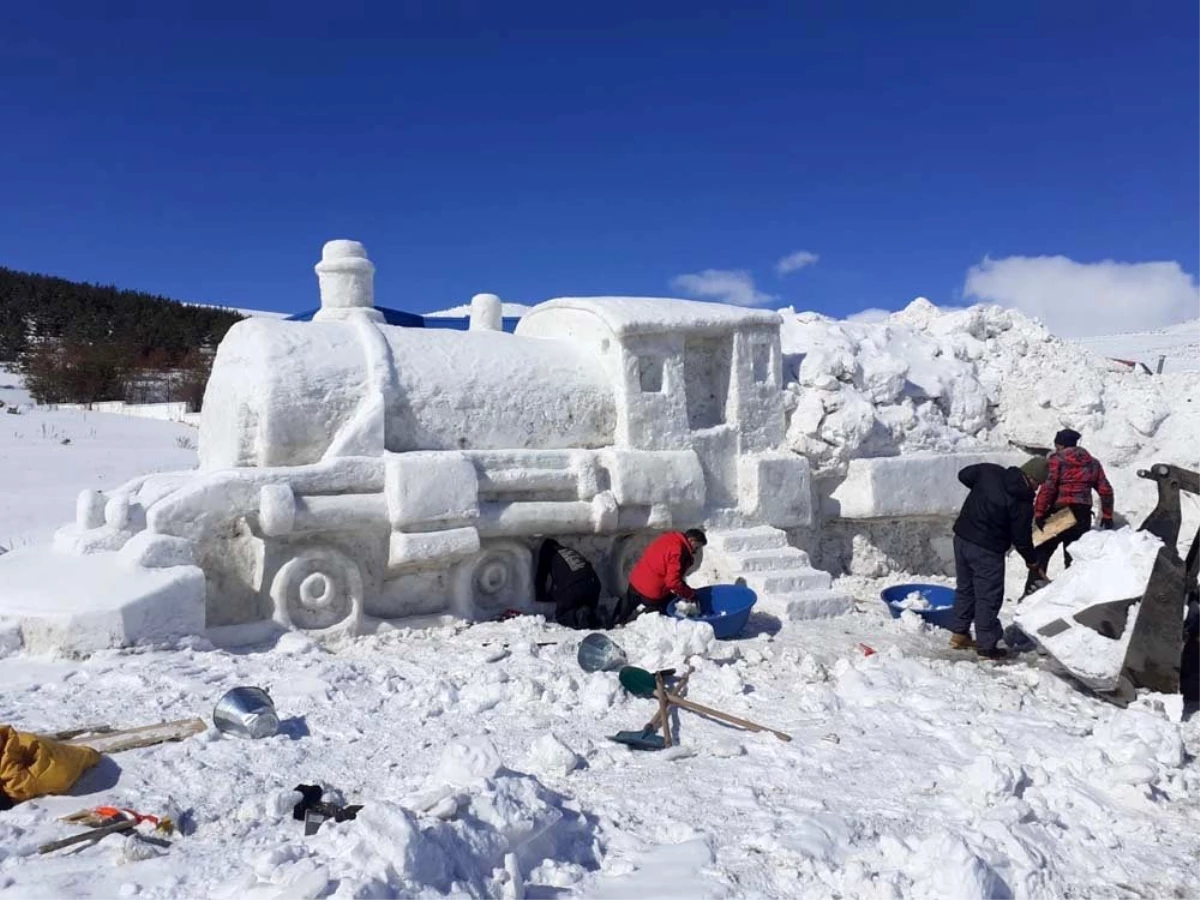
(81, 343)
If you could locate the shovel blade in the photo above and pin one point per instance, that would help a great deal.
(639, 740)
(637, 681)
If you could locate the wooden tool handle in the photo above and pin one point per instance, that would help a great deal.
(680, 687)
(93, 835)
(725, 717)
(663, 711)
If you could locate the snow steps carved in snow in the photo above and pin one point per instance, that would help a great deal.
(783, 576)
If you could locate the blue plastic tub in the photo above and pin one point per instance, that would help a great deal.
(941, 600)
(726, 607)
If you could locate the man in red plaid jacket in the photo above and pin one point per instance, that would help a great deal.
(1074, 474)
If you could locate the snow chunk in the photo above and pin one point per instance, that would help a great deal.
(548, 755)
(1109, 566)
(468, 761)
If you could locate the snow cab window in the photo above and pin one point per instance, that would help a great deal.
(650, 374)
(706, 377)
(760, 355)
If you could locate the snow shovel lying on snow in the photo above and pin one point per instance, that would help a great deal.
(641, 683)
(647, 739)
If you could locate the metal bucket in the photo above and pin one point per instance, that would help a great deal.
(246, 712)
(598, 653)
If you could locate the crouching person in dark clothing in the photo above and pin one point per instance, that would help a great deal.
(567, 580)
(996, 516)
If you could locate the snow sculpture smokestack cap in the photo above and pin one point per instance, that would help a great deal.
(347, 280)
(487, 313)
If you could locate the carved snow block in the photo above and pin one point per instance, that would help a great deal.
(670, 478)
(776, 488)
(428, 548)
(429, 487)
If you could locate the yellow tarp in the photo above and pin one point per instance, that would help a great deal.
(32, 766)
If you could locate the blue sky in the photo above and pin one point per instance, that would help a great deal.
(206, 151)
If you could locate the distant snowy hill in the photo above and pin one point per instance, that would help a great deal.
(1180, 344)
(510, 311)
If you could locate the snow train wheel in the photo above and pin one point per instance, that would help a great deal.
(498, 577)
(319, 591)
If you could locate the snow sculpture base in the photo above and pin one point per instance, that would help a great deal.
(80, 604)
(907, 486)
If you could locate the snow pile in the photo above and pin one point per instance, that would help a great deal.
(472, 830)
(659, 642)
(914, 600)
(942, 380)
(1137, 748)
(1109, 566)
(907, 383)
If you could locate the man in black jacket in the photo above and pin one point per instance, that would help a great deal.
(567, 580)
(996, 516)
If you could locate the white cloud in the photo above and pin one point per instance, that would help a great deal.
(726, 285)
(794, 262)
(1083, 299)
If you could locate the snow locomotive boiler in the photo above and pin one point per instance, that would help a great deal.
(351, 468)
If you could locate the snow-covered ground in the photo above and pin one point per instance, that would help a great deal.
(48, 456)
(908, 776)
(1180, 344)
(913, 772)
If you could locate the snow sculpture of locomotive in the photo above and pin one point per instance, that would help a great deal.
(351, 468)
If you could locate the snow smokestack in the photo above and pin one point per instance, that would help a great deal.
(347, 280)
(487, 313)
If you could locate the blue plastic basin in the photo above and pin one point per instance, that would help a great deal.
(941, 600)
(726, 607)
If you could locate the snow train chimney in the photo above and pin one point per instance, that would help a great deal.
(487, 313)
(347, 280)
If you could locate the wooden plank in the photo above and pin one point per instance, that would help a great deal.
(1055, 525)
(94, 835)
(77, 732)
(145, 736)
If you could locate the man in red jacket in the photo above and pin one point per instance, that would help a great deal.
(1073, 475)
(659, 574)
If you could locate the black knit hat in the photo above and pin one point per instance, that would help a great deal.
(1067, 438)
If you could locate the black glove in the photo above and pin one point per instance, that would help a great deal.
(1106, 524)
(1039, 524)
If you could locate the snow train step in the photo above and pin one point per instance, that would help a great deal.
(745, 540)
(783, 577)
(770, 560)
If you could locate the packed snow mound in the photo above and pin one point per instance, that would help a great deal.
(1108, 566)
(928, 379)
(472, 832)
